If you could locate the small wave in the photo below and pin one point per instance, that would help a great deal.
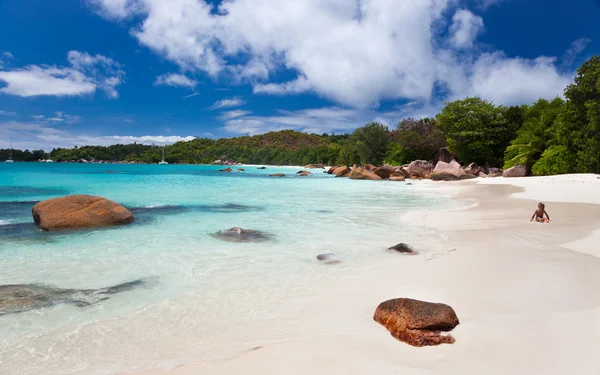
(5, 222)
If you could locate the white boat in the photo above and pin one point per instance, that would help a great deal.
(163, 157)
(10, 160)
(49, 161)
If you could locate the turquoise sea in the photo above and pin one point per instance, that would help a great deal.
(202, 299)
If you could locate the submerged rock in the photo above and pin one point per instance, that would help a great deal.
(79, 211)
(237, 234)
(261, 168)
(277, 175)
(303, 173)
(228, 169)
(417, 323)
(24, 297)
(329, 258)
(403, 248)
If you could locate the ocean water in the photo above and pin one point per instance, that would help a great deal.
(202, 299)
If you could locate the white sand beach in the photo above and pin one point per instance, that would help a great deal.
(526, 293)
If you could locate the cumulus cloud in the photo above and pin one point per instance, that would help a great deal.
(465, 28)
(354, 55)
(227, 103)
(176, 80)
(84, 75)
(42, 135)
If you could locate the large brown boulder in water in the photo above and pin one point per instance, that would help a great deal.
(359, 173)
(419, 169)
(332, 169)
(79, 211)
(342, 171)
(417, 323)
(384, 172)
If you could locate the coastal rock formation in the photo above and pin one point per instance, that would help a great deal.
(417, 323)
(24, 297)
(277, 175)
(329, 258)
(481, 174)
(261, 168)
(397, 178)
(473, 169)
(384, 172)
(419, 169)
(79, 211)
(447, 171)
(400, 171)
(342, 171)
(332, 168)
(404, 249)
(237, 234)
(494, 172)
(228, 169)
(516, 171)
(444, 155)
(359, 173)
(370, 167)
(303, 173)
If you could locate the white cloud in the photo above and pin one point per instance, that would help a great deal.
(233, 114)
(41, 135)
(190, 95)
(176, 80)
(465, 28)
(227, 103)
(7, 113)
(574, 51)
(8, 55)
(56, 118)
(85, 75)
(355, 56)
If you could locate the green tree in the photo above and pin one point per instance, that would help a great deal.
(371, 142)
(418, 139)
(476, 130)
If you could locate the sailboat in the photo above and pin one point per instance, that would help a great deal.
(10, 160)
(163, 157)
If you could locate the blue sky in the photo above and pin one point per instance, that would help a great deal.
(76, 72)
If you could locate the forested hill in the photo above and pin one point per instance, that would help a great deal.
(547, 137)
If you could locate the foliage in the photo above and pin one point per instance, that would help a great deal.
(370, 143)
(417, 140)
(535, 135)
(555, 160)
(476, 130)
(18, 155)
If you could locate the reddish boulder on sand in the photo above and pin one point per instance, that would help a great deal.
(332, 169)
(79, 211)
(417, 323)
(447, 171)
(419, 169)
(384, 172)
(359, 173)
(516, 171)
(473, 169)
(400, 171)
(342, 171)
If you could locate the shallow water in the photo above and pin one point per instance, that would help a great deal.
(204, 299)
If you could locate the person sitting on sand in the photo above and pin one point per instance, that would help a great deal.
(539, 214)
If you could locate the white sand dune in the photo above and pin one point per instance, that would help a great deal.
(527, 294)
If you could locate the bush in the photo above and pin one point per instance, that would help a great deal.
(555, 160)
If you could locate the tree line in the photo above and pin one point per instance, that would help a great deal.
(548, 137)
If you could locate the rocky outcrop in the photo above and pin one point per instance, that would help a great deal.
(400, 171)
(419, 169)
(79, 211)
(494, 172)
(342, 171)
(329, 258)
(303, 173)
(473, 169)
(359, 173)
(24, 297)
(447, 171)
(277, 175)
(261, 168)
(516, 171)
(417, 323)
(482, 175)
(370, 167)
(444, 155)
(228, 169)
(403, 248)
(237, 234)
(384, 172)
(332, 169)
